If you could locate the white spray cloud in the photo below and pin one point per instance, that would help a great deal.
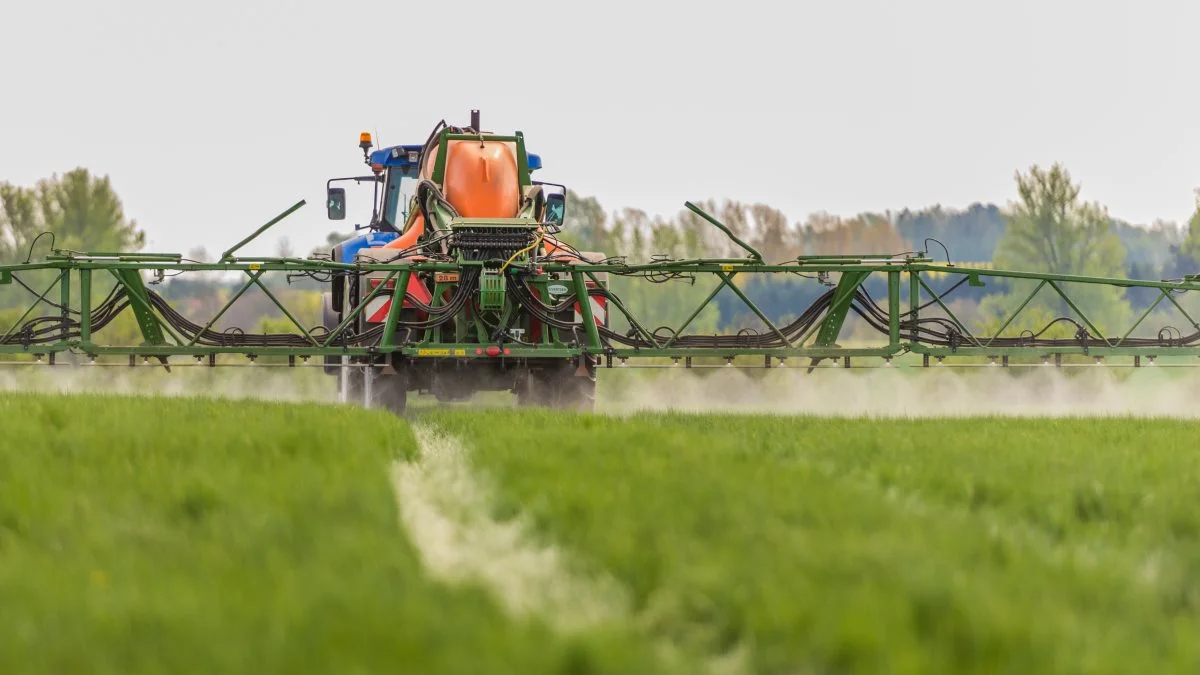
(909, 392)
(1158, 391)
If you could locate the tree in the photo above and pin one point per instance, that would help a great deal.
(825, 234)
(1191, 243)
(332, 239)
(19, 222)
(583, 223)
(1139, 296)
(283, 248)
(776, 239)
(82, 211)
(1149, 246)
(199, 254)
(1051, 230)
(85, 214)
(969, 236)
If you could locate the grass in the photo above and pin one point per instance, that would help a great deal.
(193, 535)
(183, 535)
(826, 545)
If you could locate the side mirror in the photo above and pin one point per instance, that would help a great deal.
(556, 208)
(335, 203)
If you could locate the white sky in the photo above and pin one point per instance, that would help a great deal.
(212, 117)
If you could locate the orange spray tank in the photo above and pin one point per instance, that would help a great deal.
(480, 179)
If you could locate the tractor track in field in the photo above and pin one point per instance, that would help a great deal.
(447, 512)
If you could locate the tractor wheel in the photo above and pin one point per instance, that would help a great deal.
(390, 392)
(560, 387)
(575, 391)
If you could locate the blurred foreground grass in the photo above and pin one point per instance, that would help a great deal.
(142, 535)
(195, 535)
(848, 545)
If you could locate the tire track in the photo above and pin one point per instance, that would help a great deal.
(446, 510)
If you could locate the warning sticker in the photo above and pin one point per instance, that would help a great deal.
(441, 352)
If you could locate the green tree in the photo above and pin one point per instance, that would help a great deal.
(19, 222)
(332, 239)
(1051, 230)
(85, 214)
(82, 211)
(969, 235)
(583, 223)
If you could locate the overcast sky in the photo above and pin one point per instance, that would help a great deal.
(212, 117)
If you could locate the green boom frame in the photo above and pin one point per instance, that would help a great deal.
(71, 324)
(511, 286)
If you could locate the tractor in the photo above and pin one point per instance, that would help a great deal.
(464, 208)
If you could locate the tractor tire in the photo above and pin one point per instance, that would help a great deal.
(560, 387)
(390, 392)
(575, 391)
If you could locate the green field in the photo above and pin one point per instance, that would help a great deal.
(187, 535)
(151, 536)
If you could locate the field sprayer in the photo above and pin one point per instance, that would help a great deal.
(493, 299)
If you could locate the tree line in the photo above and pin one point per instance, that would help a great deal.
(1046, 228)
